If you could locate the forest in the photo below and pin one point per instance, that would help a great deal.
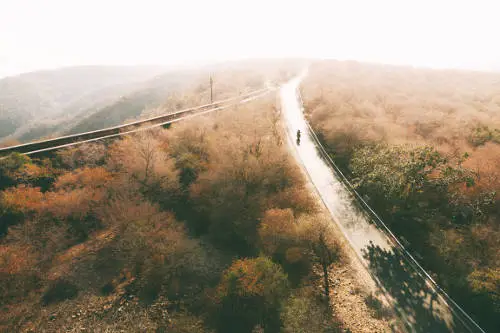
(423, 147)
(207, 226)
(186, 224)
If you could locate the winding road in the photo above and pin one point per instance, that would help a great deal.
(414, 298)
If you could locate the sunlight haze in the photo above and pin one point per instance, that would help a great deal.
(53, 33)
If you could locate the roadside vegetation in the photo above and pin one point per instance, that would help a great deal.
(204, 227)
(423, 147)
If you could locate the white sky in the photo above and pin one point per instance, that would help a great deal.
(36, 34)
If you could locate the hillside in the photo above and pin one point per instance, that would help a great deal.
(154, 97)
(74, 100)
(423, 147)
(29, 99)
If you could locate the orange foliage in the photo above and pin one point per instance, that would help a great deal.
(276, 225)
(91, 177)
(23, 198)
(279, 221)
(32, 170)
(61, 203)
(253, 277)
(74, 195)
(248, 277)
(71, 203)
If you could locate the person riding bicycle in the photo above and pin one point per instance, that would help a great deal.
(298, 137)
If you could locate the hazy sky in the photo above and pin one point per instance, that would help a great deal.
(36, 34)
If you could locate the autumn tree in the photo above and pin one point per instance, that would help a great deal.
(87, 154)
(188, 144)
(279, 238)
(251, 293)
(154, 246)
(243, 179)
(145, 167)
(325, 250)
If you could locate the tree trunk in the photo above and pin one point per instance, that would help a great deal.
(326, 282)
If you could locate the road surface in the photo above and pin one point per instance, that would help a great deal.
(419, 306)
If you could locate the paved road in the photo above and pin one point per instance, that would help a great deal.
(420, 308)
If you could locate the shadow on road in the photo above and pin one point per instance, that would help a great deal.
(410, 292)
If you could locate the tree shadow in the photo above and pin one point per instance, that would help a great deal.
(417, 304)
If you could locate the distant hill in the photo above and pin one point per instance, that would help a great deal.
(79, 99)
(149, 94)
(33, 98)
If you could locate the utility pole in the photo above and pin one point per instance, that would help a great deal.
(211, 89)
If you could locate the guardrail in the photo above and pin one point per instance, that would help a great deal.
(69, 140)
(456, 309)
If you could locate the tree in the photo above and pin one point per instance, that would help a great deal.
(399, 173)
(155, 248)
(279, 238)
(86, 154)
(324, 248)
(145, 167)
(250, 293)
(277, 230)
(326, 254)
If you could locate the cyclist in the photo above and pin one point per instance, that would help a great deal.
(298, 137)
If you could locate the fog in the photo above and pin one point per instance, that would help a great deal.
(54, 33)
